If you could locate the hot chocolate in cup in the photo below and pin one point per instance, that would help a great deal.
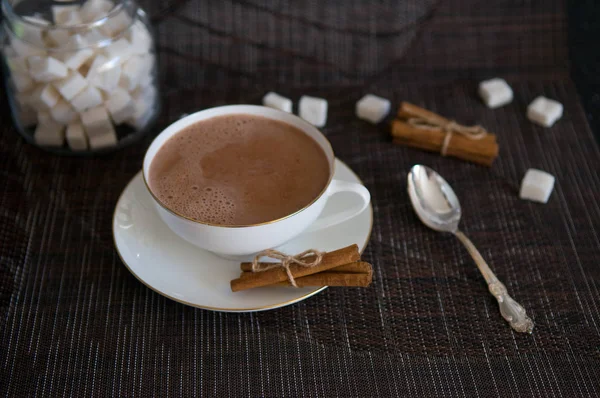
(224, 236)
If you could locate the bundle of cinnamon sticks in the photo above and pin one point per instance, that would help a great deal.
(337, 268)
(420, 128)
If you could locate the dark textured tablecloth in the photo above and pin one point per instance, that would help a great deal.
(74, 322)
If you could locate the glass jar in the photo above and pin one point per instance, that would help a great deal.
(81, 77)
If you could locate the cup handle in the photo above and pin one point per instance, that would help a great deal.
(338, 186)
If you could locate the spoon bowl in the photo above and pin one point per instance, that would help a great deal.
(433, 199)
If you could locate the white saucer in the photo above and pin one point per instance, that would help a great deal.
(182, 272)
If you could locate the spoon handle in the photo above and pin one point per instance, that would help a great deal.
(512, 311)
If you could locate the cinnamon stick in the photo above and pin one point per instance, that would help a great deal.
(332, 279)
(482, 151)
(355, 267)
(408, 110)
(330, 260)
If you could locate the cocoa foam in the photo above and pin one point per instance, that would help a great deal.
(238, 170)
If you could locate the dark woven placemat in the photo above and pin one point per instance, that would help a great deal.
(75, 322)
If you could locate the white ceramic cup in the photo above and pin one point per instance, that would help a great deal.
(250, 239)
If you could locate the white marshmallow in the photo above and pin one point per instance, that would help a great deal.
(495, 92)
(372, 108)
(63, 14)
(74, 60)
(76, 137)
(120, 106)
(116, 24)
(537, 186)
(92, 10)
(106, 140)
(22, 81)
(63, 112)
(96, 121)
(276, 101)
(71, 85)
(544, 111)
(313, 110)
(46, 69)
(118, 52)
(48, 132)
(88, 98)
(44, 97)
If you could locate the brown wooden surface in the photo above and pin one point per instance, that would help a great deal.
(75, 322)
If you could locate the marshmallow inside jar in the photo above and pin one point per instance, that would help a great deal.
(67, 59)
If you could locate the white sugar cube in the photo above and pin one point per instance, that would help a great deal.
(63, 112)
(27, 116)
(313, 110)
(495, 92)
(132, 73)
(118, 52)
(95, 37)
(57, 37)
(372, 108)
(143, 114)
(544, 111)
(34, 30)
(537, 186)
(93, 10)
(70, 86)
(24, 49)
(88, 98)
(63, 14)
(74, 60)
(46, 69)
(105, 140)
(44, 97)
(141, 39)
(75, 42)
(116, 23)
(146, 77)
(48, 132)
(99, 64)
(17, 64)
(276, 101)
(22, 81)
(96, 121)
(73, 18)
(76, 137)
(106, 79)
(24, 98)
(144, 93)
(120, 106)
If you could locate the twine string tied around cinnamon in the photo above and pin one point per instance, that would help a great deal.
(301, 259)
(476, 132)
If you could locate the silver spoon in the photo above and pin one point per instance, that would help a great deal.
(437, 206)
